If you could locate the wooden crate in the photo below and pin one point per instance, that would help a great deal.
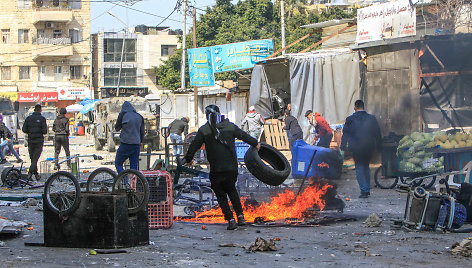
(275, 135)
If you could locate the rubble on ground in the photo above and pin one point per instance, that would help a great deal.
(373, 221)
(463, 249)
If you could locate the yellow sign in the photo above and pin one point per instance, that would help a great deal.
(13, 96)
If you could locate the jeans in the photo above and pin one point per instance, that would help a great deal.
(6, 143)
(325, 140)
(175, 138)
(34, 150)
(59, 142)
(223, 184)
(361, 162)
(127, 151)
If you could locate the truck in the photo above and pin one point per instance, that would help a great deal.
(105, 115)
(9, 116)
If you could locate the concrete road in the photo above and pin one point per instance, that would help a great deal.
(188, 245)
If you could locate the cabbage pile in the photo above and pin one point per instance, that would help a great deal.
(412, 154)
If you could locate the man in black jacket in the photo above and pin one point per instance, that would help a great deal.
(218, 135)
(291, 124)
(61, 136)
(176, 128)
(35, 126)
(361, 136)
(6, 135)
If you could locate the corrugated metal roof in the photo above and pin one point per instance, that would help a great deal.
(328, 23)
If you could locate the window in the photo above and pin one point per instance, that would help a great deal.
(6, 73)
(40, 33)
(24, 3)
(25, 72)
(5, 36)
(74, 35)
(57, 73)
(128, 76)
(55, 3)
(42, 73)
(23, 36)
(57, 34)
(112, 48)
(75, 72)
(167, 50)
(39, 3)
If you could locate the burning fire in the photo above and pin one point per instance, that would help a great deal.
(284, 206)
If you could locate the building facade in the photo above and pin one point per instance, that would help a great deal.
(144, 48)
(45, 52)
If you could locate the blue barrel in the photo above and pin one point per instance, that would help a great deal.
(328, 163)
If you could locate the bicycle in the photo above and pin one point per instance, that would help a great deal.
(388, 181)
(14, 177)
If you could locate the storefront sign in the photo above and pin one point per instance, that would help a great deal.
(384, 21)
(206, 61)
(74, 93)
(117, 65)
(107, 92)
(13, 96)
(37, 97)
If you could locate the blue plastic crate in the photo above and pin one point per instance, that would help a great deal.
(241, 149)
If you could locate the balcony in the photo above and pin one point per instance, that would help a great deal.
(52, 10)
(52, 47)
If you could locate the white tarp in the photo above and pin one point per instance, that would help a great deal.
(388, 20)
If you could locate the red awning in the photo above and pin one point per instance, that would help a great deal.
(37, 97)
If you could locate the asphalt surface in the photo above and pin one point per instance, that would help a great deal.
(189, 245)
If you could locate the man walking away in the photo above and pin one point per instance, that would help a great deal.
(6, 136)
(61, 137)
(291, 124)
(361, 136)
(131, 124)
(253, 122)
(35, 126)
(176, 128)
(218, 135)
(322, 129)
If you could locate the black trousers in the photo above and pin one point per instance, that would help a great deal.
(293, 138)
(223, 184)
(35, 150)
(59, 142)
(325, 140)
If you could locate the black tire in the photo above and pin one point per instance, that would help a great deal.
(111, 142)
(97, 183)
(429, 182)
(12, 178)
(62, 192)
(98, 144)
(382, 180)
(135, 185)
(4, 174)
(277, 169)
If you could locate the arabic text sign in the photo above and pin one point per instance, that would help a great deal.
(242, 55)
(388, 20)
(37, 97)
(74, 93)
(200, 67)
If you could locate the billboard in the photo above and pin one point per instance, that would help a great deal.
(384, 21)
(74, 93)
(205, 62)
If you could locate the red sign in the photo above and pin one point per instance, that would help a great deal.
(37, 96)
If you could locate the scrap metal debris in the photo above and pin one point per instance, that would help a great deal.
(365, 250)
(11, 227)
(373, 221)
(463, 249)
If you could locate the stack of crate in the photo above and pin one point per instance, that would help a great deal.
(160, 207)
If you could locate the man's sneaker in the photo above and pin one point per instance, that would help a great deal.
(36, 176)
(3, 161)
(241, 220)
(364, 195)
(232, 225)
(19, 160)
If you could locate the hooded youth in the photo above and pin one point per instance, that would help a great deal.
(131, 124)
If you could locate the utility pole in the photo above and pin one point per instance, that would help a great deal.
(195, 89)
(91, 67)
(182, 70)
(122, 51)
(282, 21)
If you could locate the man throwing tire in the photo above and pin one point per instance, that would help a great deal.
(218, 135)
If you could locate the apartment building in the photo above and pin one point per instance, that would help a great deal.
(45, 53)
(145, 48)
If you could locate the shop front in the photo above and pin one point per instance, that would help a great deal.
(28, 99)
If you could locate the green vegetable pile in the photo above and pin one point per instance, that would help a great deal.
(412, 154)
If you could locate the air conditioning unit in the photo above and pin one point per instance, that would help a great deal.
(49, 25)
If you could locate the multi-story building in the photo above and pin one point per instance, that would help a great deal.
(45, 51)
(145, 48)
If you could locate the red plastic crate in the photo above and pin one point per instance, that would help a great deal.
(160, 207)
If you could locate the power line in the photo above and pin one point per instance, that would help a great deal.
(147, 13)
(177, 6)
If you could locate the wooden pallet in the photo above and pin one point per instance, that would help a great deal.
(275, 135)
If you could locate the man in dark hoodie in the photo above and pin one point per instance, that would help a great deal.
(131, 124)
(291, 124)
(35, 126)
(6, 135)
(176, 128)
(61, 137)
(218, 135)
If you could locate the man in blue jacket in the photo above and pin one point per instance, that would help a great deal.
(131, 124)
(361, 136)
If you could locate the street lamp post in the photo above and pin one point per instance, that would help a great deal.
(122, 51)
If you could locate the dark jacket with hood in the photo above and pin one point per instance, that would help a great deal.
(361, 134)
(35, 126)
(291, 124)
(131, 124)
(222, 157)
(5, 133)
(178, 126)
(61, 125)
